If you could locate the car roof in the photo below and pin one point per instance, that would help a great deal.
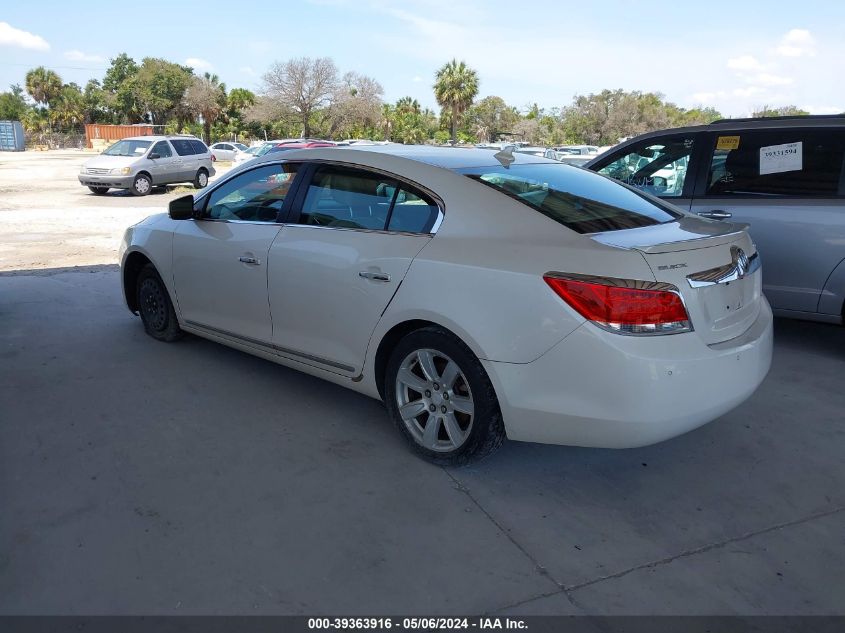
(160, 137)
(446, 157)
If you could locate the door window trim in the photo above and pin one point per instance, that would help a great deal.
(312, 165)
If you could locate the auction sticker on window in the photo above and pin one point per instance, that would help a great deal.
(775, 159)
(727, 142)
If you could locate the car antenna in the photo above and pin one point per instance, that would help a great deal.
(505, 156)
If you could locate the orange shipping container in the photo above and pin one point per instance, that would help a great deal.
(114, 132)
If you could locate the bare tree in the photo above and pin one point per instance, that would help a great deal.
(302, 85)
(356, 104)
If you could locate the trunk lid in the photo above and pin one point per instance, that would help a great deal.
(714, 265)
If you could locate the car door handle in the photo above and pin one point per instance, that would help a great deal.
(249, 260)
(366, 274)
(716, 214)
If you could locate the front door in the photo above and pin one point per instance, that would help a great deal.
(220, 260)
(161, 168)
(334, 270)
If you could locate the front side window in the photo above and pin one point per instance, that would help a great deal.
(162, 148)
(576, 198)
(343, 197)
(254, 196)
(128, 148)
(777, 163)
(657, 167)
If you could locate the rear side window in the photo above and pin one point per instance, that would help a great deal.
(777, 163)
(576, 198)
(342, 197)
(199, 147)
(183, 146)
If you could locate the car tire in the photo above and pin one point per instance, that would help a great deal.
(155, 306)
(201, 179)
(99, 191)
(142, 185)
(461, 433)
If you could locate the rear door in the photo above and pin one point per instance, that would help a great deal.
(661, 166)
(338, 262)
(787, 184)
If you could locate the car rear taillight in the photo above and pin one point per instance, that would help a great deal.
(624, 306)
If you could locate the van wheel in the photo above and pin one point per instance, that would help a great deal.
(441, 399)
(155, 307)
(99, 190)
(201, 180)
(142, 185)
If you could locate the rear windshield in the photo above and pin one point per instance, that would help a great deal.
(128, 148)
(580, 200)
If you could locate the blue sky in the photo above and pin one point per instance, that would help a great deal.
(736, 56)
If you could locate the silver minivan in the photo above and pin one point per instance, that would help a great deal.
(784, 176)
(140, 163)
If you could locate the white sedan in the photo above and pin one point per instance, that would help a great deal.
(227, 150)
(479, 295)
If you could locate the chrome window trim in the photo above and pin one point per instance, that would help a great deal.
(636, 284)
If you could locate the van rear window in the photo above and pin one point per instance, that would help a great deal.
(576, 198)
(183, 146)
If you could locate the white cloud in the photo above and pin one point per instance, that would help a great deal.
(744, 62)
(826, 109)
(797, 43)
(198, 63)
(750, 91)
(79, 56)
(10, 36)
(248, 70)
(706, 98)
(767, 79)
(417, 79)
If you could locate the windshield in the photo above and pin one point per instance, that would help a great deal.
(128, 148)
(240, 146)
(580, 200)
(264, 149)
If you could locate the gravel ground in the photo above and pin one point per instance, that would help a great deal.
(49, 220)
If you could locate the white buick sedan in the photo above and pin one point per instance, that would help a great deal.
(479, 295)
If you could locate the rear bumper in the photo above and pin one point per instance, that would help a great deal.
(604, 390)
(114, 182)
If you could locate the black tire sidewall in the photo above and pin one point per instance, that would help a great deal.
(487, 429)
(197, 184)
(171, 330)
(98, 191)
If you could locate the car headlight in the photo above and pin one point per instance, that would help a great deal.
(121, 171)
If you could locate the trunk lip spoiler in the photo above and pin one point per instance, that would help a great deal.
(732, 230)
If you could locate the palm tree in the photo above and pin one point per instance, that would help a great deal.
(206, 96)
(43, 85)
(455, 86)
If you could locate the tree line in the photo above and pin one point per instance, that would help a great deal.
(311, 97)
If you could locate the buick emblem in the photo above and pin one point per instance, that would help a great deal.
(740, 261)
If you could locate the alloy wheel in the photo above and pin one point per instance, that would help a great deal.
(434, 400)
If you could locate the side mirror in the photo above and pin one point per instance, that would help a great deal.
(181, 208)
(154, 155)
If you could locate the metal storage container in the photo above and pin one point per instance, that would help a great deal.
(11, 136)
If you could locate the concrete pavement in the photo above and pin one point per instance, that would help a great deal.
(139, 477)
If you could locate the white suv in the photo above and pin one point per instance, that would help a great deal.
(140, 163)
